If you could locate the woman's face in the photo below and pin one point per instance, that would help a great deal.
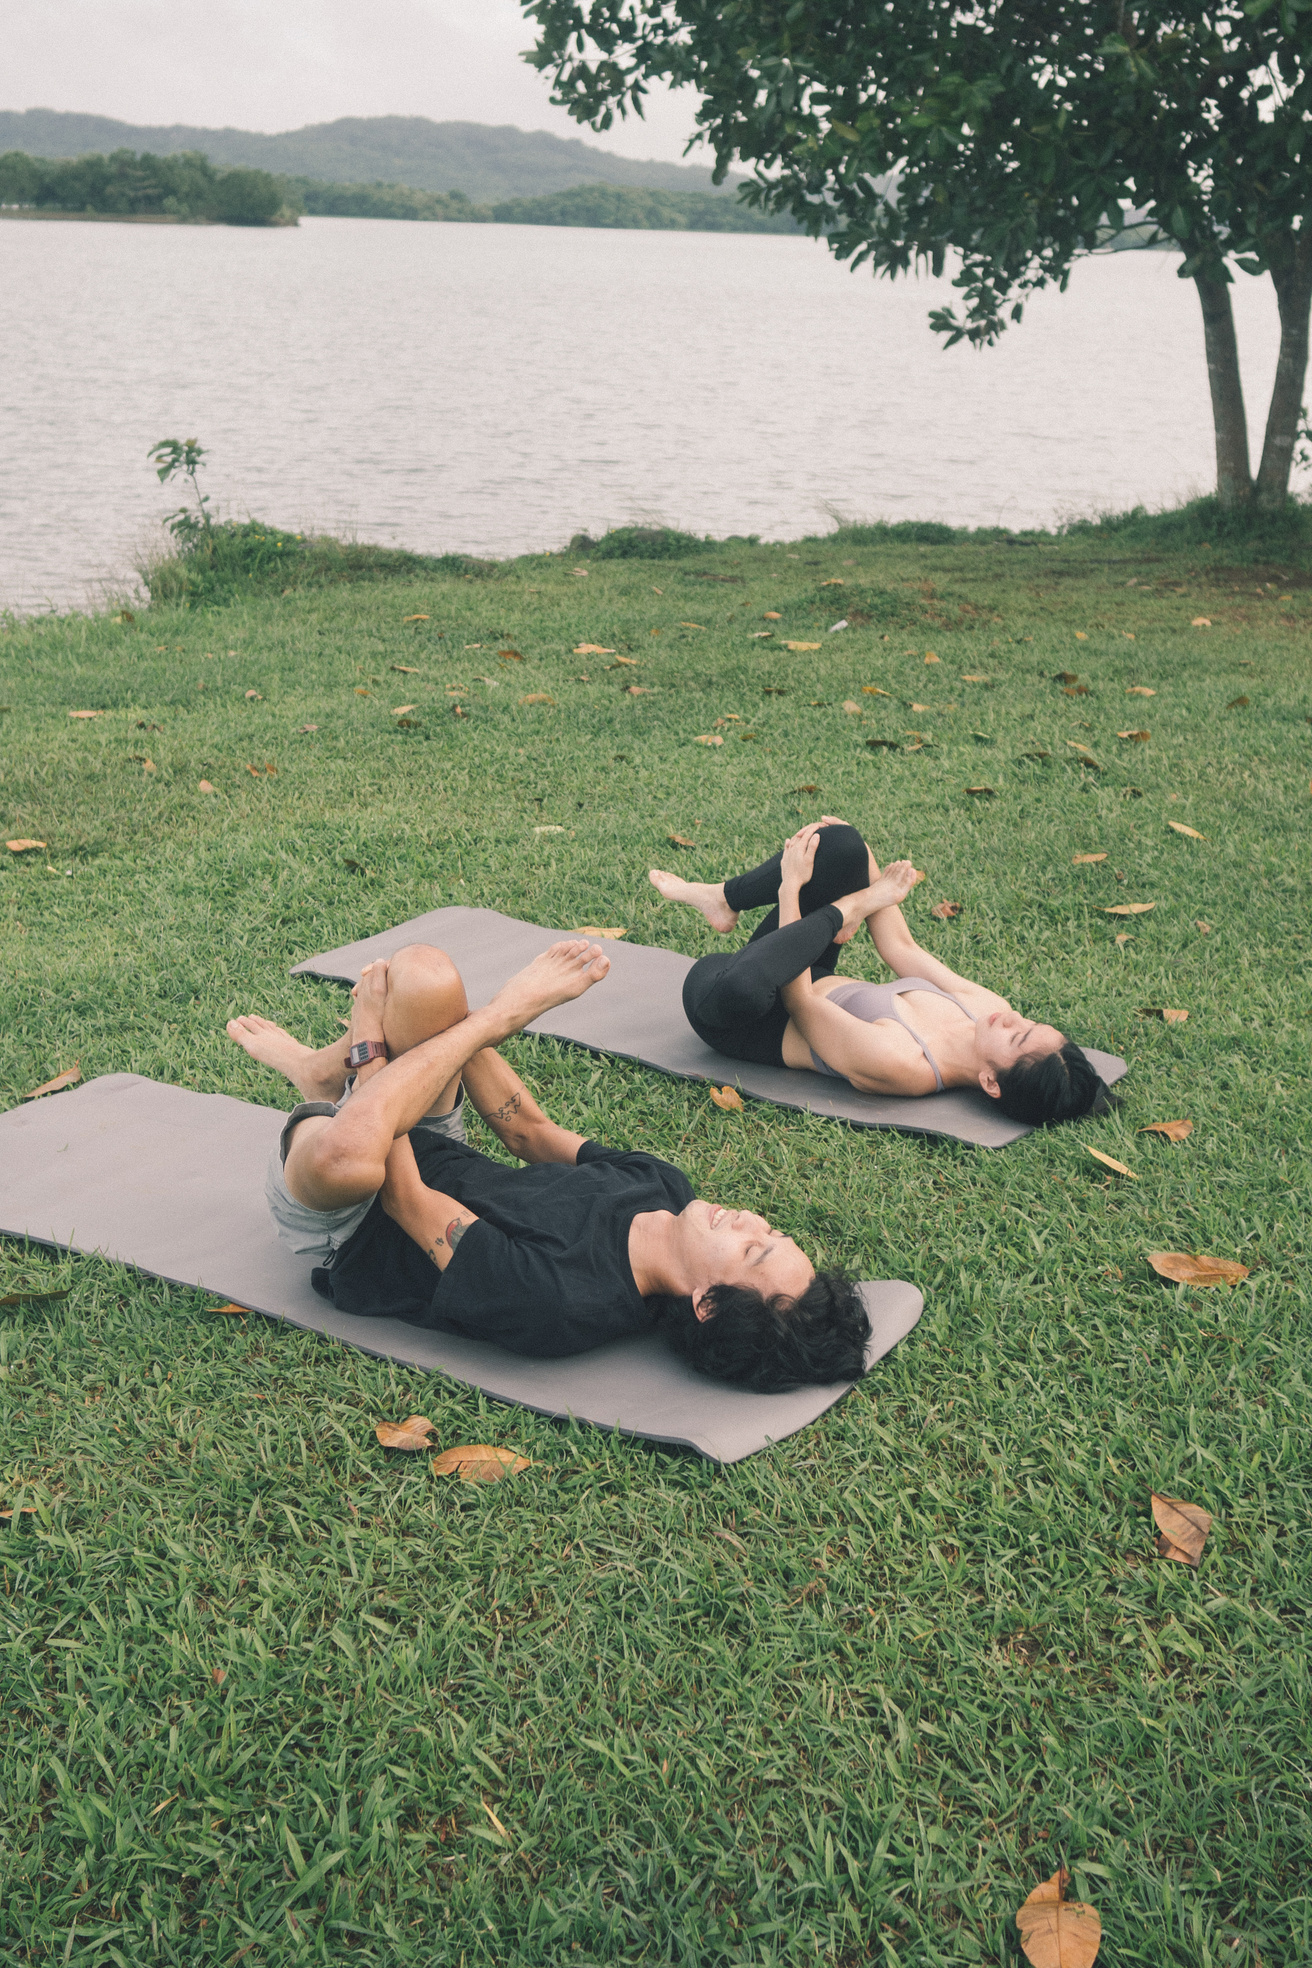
(1003, 1038)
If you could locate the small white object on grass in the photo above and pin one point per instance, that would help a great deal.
(834, 627)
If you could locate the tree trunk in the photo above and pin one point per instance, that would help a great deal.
(1293, 284)
(1234, 480)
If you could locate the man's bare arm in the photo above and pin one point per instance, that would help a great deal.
(513, 1115)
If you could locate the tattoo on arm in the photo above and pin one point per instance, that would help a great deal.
(508, 1109)
(455, 1231)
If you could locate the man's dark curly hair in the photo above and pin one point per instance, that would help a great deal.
(772, 1344)
(1059, 1087)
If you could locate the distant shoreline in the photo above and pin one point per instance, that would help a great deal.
(101, 218)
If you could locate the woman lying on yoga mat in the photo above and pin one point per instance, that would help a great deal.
(374, 1183)
(777, 1001)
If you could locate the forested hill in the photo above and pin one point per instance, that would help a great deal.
(487, 163)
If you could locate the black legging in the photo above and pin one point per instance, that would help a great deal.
(731, 998)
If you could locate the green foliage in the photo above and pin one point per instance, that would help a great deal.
(240, 558)
(656, 211)
(169, 457)
(386, 201)
(845, 1703)
(919, 532)
(1252, 533)
(183, 186)
(644, 543)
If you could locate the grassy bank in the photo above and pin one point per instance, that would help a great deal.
(273, 1694)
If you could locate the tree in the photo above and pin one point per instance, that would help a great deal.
(246, 197)
(1013, 134)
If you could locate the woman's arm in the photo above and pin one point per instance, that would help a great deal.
(907, 958)
(878, 1058)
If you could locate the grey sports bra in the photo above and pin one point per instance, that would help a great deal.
(871, 1001)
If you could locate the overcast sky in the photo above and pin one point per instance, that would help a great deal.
(262, 66)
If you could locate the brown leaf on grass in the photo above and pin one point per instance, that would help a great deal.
(1136, 737)
(873, 690)
(309, 727)
(479, 1462)
(630, 662)
(402, 710)
(231, 1311)
(702, 625)
(983, 792)
(1167, 1013)
(922, 707)
(833, 584)
(1056, 1932)
(1066, 676)
(1139, 690)
(205, 786)
(360, 691)
(1237, 704)
(1203, 928)
(538, 697)
(23, 846)
(1201, 622)
(405, 669)
(771, 615)
(68, 1077)
(680, 840)
(591, 649)
(944, 911)
(1036, 756)
(1184, 1527)
(218, 1675)
(595, 929)
(852, 709)
(803, 789)
(1184, 1269)
(100, 714)
(1085, 755)
(801, 645)
(1109, 1162)
(974, 679)
(32, 1297)
(1169, 1130)
(1190, 833)
(510, 656)
(1076, 690)
(1123, 939)
(883, 744)
(415, 618)
(412, 1433)
(1129, 908)
(726, 1098)
(254, 697)
(1081, 635)
(708, 738)
(1084, 860)
(639, 690)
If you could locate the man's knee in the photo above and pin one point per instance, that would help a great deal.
(325, 1172)
(425, 995)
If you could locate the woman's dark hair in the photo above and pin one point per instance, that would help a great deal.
(1060, 1086)
(772, 1344)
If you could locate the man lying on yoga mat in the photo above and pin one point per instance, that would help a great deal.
(777, 1001)
(374, 1182)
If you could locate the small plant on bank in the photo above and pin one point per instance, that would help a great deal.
(169, 457)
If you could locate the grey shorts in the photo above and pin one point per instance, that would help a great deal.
(316, 1234)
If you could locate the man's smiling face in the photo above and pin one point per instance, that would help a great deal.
(736, 1247)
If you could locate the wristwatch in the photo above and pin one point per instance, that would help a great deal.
(367, 1049)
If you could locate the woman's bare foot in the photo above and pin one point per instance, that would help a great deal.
(318, 1075)
(706, 897)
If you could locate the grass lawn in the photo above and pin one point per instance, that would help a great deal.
(270, 1693)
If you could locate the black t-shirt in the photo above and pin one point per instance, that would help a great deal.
(545, 1271)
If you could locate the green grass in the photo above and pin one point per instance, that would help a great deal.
(265, 1687)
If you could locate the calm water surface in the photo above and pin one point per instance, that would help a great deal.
(492, 389)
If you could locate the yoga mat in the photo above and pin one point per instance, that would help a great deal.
(172, 1182)
(637, 1013)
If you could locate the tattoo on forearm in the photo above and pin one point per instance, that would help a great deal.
(432, 1253)
(509, 1109)
(455, 1231)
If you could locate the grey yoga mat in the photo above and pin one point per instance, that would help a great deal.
(637, 1013)
(173, 1182)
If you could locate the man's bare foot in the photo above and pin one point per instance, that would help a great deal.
(706, 897)
(369, 1002)
(311, 1073)
(563, 972)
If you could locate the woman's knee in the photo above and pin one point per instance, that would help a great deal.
(842, 862)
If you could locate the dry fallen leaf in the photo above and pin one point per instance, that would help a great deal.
(1203, 928)
(23, 846)
(1085, 755)
(922, 707)
(231, 1311)
(1065, 676)
(67, 1078)
(205, 786)
(537, 697)
(479, 1463)
(1084, 860)
(309, 727)
(833, 584)
(1056, 1932)
(1123, 938)
(414, 618)
(771, 616)
(1183, 1269)
(702, 625)
(402, 710)
(853, 710)
(801, 645)
(1167, 1014)
(510, 656)
(1140, 690)
(709, 738)
(1080, 636)
(1190, 833)
(1136, 737)
(727, 1098)
(680, 840)
(1169, 1130)
(1184, 1527)
(1237, 704)
(254, 697)
(639, 690)
(1201, 622)
(406, 669)
(974, 679)
(360, 691)
(630, 662)
(412, 1433)
(945, 911)
(594, 929)
(984, 792)
(883, 744)
(592, 649)
(86, 714)
(1129, 908)
(873, 690)
(1108, 1162)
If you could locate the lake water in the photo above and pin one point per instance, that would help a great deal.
(493, 389)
